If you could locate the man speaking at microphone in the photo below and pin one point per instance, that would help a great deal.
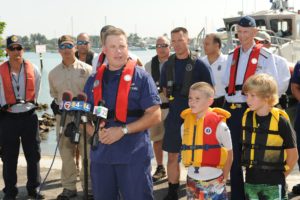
(120, 164)
(70, 75)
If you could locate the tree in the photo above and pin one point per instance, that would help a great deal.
(2, 26)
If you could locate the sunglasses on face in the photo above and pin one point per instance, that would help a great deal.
(18, 48)
(81, 42)
(66, 46)
(264, 42)
(162, 45)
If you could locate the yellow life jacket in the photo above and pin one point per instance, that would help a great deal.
(200, 146)
(263, 148)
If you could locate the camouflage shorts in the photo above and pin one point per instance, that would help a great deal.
(206, 190)
(264, 192)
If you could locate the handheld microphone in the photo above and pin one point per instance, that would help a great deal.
(101, 112)
(67, 96)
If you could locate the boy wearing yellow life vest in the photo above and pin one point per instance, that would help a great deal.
(269, 150)
(206, 145)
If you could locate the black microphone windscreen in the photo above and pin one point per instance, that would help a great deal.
(67, 96)
(81, 97)
(101, 103)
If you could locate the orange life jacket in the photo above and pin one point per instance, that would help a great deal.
(123, 89)
(200, 146)
(29, 78)
(250, 70)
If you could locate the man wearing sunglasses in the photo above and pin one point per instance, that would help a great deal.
(157, 132)
(19, 88)
(84, 52)
(70, 75)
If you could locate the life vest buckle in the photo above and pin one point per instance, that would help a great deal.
(253, 162)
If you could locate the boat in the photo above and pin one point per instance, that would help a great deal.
(280, 21)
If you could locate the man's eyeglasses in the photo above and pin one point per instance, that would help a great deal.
(162, 45)
(66, 46)
(81, 42)
(18, 48)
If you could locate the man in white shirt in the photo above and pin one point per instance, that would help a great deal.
(217, 63)
(282, 66)
(244, 61)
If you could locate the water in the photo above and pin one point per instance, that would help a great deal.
(50, 60)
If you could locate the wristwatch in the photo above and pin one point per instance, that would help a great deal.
(124, 129)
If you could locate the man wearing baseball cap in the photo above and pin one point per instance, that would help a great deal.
(19, 88)
(246, 60)
(70, 75)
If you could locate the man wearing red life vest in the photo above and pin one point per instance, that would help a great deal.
(19, 88)
(244, 61)
(101, 57)
(120, 163)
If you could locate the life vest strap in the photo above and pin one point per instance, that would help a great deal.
(130, 113)
(260, 164)
(237, 88)
(164, 106)
(260, 146)
(205, 147)
(260, 130)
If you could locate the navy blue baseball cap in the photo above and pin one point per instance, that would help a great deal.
(13, 39)
(247, 21)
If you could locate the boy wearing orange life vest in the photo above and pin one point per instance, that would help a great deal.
(269, 150)
(206, 145)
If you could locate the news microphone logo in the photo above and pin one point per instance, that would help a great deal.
(76, 106)
(100, 111)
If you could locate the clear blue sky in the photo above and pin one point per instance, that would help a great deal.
(54, 18)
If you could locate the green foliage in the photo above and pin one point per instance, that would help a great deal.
(2, 26)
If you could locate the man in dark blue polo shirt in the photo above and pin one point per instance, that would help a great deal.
(180, 71)
(120, 163)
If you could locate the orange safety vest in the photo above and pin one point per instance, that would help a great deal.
(29, 78)
(250, 70)
(200, 146)
(123, 89)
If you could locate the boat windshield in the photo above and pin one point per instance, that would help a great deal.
(281, 27)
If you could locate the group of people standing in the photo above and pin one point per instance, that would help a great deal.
(215, 114)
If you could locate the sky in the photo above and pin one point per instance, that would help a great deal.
(54, 18)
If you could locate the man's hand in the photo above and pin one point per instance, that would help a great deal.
(90, 129)
(110, 135)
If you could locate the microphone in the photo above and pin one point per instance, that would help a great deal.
(77, 117)
(67, 96)
(101, 112)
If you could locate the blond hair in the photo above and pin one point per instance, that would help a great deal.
(264, 86)
(205, 88)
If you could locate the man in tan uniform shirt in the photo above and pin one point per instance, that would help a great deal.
(70, 75)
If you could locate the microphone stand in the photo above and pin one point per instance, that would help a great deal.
(85, 159)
